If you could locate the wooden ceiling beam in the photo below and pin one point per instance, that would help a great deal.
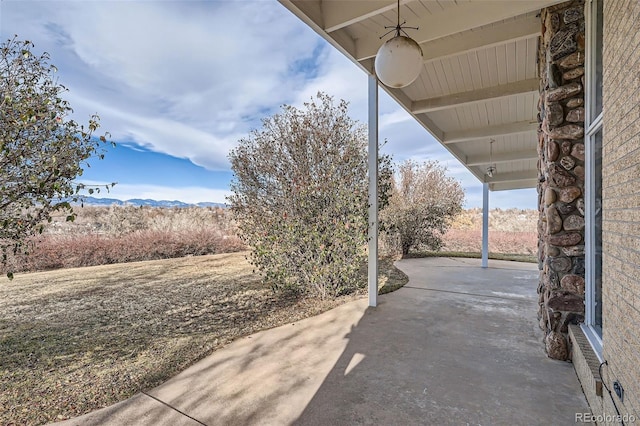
(525, 175)
(509, 186)
(338, 14)
(474, 96)
(501, 158)
(482, 38)
(489, 131)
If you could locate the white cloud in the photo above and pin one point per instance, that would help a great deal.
(182, 78)
(337, 76)
(396, 117)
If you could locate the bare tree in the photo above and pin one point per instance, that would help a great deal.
(300, 197)
(423, 202)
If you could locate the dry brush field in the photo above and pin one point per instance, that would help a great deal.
(117, 234)
(511, 231)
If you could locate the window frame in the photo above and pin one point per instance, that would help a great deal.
(593, 125)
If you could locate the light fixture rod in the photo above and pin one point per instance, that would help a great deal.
(398, 28)
(491, 150)
(492, 168)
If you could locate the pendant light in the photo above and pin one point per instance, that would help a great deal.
(492, 167)
(399, 60)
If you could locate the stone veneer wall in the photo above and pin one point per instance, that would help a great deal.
(561, 173)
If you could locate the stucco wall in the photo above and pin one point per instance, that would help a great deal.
(621, 200)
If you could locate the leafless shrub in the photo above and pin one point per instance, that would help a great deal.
(146, 233)
(423, 203)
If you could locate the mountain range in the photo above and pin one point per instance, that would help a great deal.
(92, 201)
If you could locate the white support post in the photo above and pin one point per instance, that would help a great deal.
(373, 190)
(485, 225)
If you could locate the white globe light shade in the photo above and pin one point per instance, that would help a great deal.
(399, 62)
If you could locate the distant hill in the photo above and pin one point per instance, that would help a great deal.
(92, 201)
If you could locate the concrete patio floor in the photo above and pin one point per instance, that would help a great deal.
(457, 345)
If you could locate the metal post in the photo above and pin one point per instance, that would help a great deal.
(373, 190)
(485, 225)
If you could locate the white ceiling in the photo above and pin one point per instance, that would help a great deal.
(479, 80)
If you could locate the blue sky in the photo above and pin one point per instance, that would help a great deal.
(178, 83)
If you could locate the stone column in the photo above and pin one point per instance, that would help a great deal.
(561, 57)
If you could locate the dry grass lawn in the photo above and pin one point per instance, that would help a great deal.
(75, 340)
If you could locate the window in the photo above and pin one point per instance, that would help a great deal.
(593, 177)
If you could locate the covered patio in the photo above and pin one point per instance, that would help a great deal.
(457, 345)
(460, 343)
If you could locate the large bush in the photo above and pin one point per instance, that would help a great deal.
(300, 197)
(424, 200)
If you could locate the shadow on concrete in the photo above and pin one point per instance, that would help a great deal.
(458, 345)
